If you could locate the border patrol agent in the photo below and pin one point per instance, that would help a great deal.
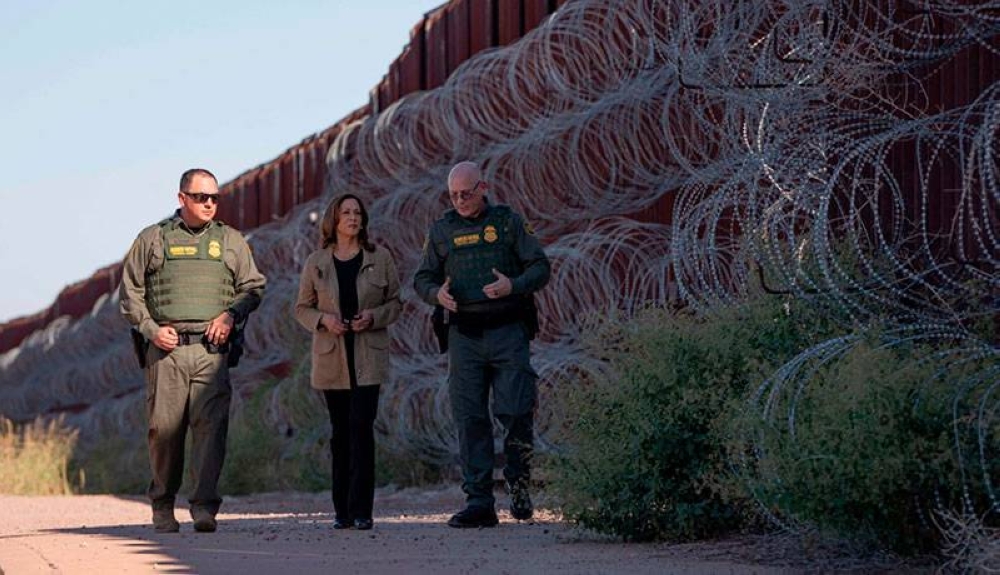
(481, 263)
(186, 282)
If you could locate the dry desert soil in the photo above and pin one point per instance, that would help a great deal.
(291, 533)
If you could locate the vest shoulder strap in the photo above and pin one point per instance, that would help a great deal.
(502, 210)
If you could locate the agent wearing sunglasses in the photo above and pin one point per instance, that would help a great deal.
(187, 281)
(482, 263)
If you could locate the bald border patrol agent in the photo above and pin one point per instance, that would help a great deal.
(482, 263)
(187, 282)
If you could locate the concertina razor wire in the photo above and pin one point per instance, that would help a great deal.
(770, 128)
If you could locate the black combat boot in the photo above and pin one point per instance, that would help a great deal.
(474, 517)
(520, 500)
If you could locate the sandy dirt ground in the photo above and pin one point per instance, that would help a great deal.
(292, 533)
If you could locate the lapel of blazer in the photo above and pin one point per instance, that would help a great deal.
(328, 273)
(368, 265)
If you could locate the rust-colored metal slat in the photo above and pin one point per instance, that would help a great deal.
(457, 15)
(509, 15)
(436, 41)
(482, 18)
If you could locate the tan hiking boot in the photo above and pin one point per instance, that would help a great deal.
(204, 522)
(164, 521)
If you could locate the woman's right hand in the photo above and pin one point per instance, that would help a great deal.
(333, 323)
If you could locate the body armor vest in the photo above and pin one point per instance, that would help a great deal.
(194, 283)
(474, 251)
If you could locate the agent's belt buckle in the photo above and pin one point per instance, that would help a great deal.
(189, 338)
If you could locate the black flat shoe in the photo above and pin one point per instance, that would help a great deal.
(339, 523)
(363, 524)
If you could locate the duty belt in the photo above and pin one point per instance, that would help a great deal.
(193, 338)
(190, 338)
(484, 320)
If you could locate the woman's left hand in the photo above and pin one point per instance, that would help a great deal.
(363, 320)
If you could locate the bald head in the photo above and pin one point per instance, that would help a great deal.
(466, 189)
(464, 171)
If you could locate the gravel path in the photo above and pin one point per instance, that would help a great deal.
(291, 533)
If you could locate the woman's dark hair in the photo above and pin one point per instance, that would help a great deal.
(328, 229)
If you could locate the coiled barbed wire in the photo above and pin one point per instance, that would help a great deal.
(766, 135)
(768, 129)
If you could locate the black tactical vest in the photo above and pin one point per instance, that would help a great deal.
(194, 283)
(474, 251)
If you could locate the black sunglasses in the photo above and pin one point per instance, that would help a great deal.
(202, 198)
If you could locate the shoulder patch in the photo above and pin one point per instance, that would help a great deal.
(529, 228)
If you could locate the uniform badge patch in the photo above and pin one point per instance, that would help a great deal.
(466, 240)
(528, 227)
(490, 234)
(214, 249)
(183, 250)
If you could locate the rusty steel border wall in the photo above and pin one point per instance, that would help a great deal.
(443, 39)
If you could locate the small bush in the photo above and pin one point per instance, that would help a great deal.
(645, 456)
(116, 464)
(262, 457)
(254, 461)
(34, 457)
(865, 446)
(405, 470)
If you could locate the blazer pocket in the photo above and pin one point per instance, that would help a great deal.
(378, 339)
(324, 342)
(375, 276)
(373, 291)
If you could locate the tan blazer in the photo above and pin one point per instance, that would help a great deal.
(378, 290)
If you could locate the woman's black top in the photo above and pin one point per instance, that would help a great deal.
(347, 283)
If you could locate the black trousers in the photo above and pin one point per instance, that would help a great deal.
(352, 447)
(480, 362)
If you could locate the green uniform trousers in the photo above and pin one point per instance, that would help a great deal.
(481, 360)
(187, 387)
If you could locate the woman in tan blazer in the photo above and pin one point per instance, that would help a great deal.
(348, 296)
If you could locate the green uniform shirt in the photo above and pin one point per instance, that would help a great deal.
(430, 275)
(146, 256)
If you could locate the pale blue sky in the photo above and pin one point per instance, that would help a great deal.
(103, 104)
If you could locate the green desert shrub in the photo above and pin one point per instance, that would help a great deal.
(113, 464)
(406, 469)
(257, 456)
(644, 455)
(867, 446)
(263, 456)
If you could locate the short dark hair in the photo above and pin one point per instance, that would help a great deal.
(189, 175)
